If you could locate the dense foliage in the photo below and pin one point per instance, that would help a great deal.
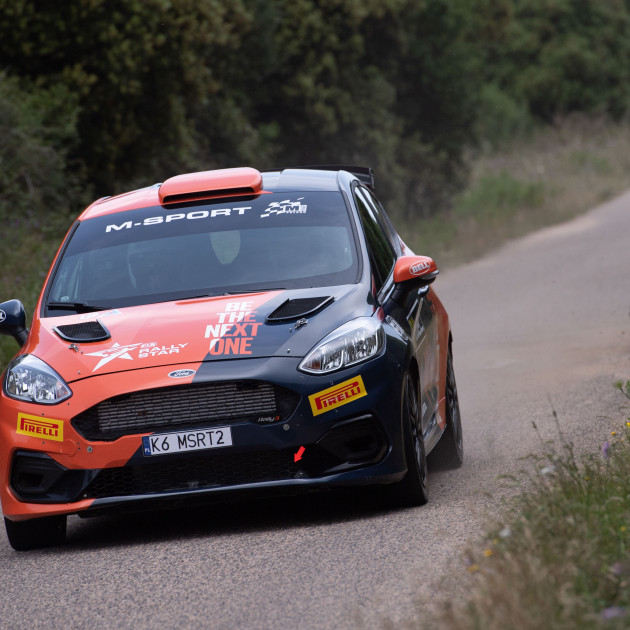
(134, 91)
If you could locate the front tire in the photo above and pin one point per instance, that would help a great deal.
(36, 532)
(412, 490)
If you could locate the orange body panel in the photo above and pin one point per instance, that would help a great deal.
(73, 451)
(101, 370)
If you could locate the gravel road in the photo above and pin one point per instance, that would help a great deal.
(543, 324)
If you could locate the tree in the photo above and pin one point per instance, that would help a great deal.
(140, 69)
(562, 56)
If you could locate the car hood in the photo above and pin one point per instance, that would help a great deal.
(285, 323)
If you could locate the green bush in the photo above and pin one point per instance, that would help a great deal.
(37, 131)
(500, 196)
(563, 56)
(40, 190)
(501, 119)
(166, 86)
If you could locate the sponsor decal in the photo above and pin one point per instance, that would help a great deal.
(396, 326)
(338, 395)
(3, 315)
(419, 331)
(140, 350)
(179, 216)
(267, 419)
(100, 315)
(233, 329)
(182, 373)
(36, 426)
(417, 269)
(285, 207)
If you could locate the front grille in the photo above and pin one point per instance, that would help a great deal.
(193, 472)
(171, 408)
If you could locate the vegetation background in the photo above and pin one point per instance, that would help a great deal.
(481, 118)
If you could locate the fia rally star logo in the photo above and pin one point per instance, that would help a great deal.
(150, 349)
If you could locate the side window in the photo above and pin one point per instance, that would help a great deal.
(382, 253)
(384, 220)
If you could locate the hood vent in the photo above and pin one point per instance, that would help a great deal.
(83, 332)
(301, 307)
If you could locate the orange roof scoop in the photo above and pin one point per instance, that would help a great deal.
(227, 182)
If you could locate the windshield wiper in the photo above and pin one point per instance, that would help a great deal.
(194, 297)
(255, 290)
(79, 307)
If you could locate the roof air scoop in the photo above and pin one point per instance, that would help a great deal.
(228, 182)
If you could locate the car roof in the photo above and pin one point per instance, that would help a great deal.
(225, 183)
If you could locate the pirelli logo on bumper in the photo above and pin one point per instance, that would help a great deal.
(337, 395)
(35, 426)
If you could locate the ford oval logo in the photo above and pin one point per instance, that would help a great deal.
(182, 373)
(419, 268)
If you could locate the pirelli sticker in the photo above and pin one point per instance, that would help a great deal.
(337, 395)
(36, 426)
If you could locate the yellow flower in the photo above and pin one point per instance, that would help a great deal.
(613, 433)
(622, 528)
(472, 568)
(488, 552)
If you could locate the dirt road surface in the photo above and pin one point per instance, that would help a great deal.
(542, 324)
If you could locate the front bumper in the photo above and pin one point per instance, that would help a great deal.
(357, 441)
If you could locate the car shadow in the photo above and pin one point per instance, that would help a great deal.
(228, 516)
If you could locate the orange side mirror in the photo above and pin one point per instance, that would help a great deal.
(414, 271)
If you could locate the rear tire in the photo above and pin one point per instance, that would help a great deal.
(36, 532)
(449, 451)
(412, 489)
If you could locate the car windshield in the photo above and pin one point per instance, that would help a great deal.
(277, 240)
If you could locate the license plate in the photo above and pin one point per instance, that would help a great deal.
(191, 440)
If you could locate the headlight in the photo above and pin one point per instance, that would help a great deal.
(29, 378)
(352, 343)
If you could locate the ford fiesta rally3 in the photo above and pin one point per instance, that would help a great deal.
(224, 331)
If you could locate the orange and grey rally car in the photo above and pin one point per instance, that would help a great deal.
(223, 331)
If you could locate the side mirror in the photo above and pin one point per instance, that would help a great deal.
(413, 272)
(13, 320)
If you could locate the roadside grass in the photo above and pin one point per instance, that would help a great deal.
(550, 175)
(560, 559)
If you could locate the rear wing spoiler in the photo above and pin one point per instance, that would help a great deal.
(363, 173)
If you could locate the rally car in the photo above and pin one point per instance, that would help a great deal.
(224, 331)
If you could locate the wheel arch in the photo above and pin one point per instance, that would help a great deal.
(443, 371)
(414, 370)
